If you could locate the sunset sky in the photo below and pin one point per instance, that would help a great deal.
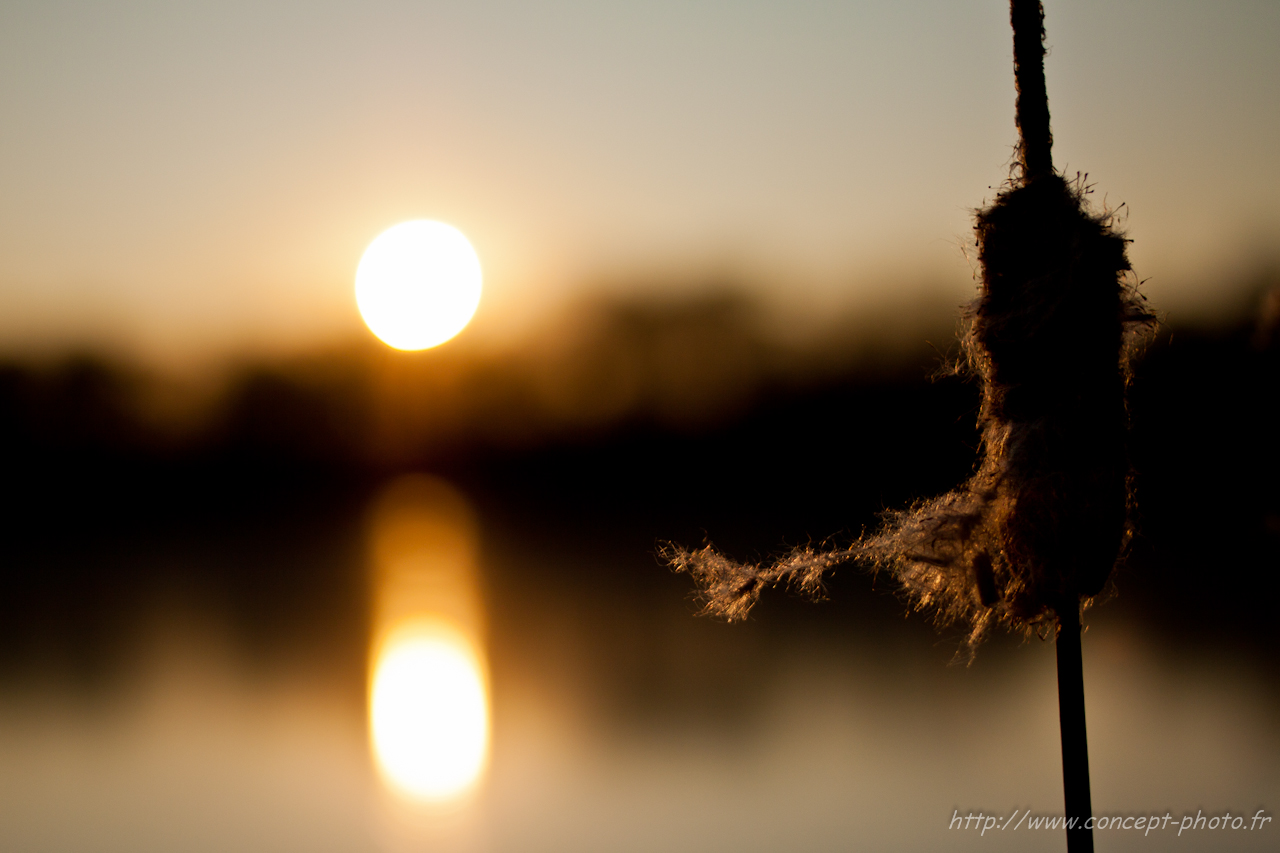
(189, 179)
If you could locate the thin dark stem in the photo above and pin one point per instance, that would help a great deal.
(1075, 745)
(1027, 17)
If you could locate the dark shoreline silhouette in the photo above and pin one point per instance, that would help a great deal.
(257, 508)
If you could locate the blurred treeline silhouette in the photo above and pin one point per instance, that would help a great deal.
(682, 365)
(622, 425)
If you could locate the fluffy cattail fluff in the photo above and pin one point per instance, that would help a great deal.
(1044, 518)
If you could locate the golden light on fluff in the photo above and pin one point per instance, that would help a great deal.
(429, 718)
(418, 284)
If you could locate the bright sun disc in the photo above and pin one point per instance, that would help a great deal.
(418, 284)
(429, 715)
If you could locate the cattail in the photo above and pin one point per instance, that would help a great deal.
(1038, 527)
(1033, 535)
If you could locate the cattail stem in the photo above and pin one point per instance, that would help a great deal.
(1027, 18)
(1035, 151)
(1075, 745)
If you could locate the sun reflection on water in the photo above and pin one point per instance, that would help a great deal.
(428, 691)
(428, 712)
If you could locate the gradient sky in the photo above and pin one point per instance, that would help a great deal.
(195, 178)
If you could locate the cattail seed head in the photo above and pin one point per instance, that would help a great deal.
(1038, 527)
(1041, 522)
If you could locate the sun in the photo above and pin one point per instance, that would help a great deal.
(418, 284)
